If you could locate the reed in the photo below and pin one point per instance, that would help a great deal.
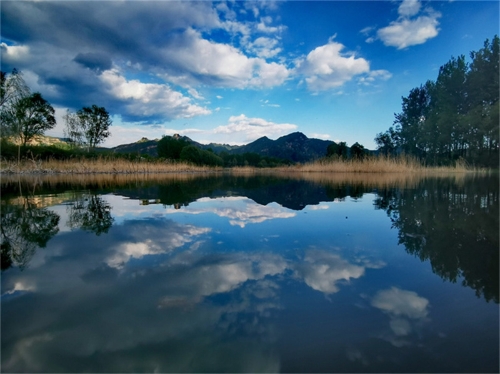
(105, 165)
(100, 165)
(377, 164)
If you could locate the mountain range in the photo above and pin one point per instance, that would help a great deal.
(294, 147)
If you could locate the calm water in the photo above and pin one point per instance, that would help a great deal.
(250, 274)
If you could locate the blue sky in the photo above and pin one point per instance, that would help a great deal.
(231, 72)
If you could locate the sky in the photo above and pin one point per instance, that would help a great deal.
(233, 71)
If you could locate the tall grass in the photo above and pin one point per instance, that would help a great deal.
(376, 164)
(111, 165)
(101, 165)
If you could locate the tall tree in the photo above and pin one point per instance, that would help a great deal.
(94, 123)
(12, 89)
(73, 129)
(32, 115)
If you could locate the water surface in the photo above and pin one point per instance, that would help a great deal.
(250, 274)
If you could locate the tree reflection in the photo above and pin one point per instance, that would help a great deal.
(90, 212)
(454, 226)
(24, 227)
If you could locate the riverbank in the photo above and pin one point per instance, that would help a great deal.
(379, 165)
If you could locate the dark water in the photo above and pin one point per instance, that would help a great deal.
(250, 274)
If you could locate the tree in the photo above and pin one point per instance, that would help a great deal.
(32, 115)
(357, 150)
(12, 89)
(73, 130)
(341, 150)
(94, 123)
(171, 147)
(387, 142)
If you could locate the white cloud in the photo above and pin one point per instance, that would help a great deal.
(407, 31)
(220, 65)
(375, 75)
(320, 136)
(150, 99)
(13, 54)
(326, 67)
(264, 47)
(409, 8)
(251, 129)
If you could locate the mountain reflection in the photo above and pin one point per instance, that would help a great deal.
(452, 225)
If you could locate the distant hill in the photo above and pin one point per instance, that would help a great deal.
(295, 147)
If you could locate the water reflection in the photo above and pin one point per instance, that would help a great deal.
(454, 226)
(218, 282)
(24, 227)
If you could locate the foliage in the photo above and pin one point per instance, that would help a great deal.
(73, 129)
(94, 124)
(357, 150)
(455, 117)
(171, 147)
(338, 149)
(199, 156)
(32, 115)
(12, 89)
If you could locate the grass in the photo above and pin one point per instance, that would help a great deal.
(108, 165)
(101, 165)
(378, 164)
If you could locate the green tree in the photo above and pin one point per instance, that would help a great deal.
(32, 115)
(358, 151)
(94, 123)
(341, 150)
(171, 147)
(387, 142)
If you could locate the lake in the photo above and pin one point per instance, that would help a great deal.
(250, 273)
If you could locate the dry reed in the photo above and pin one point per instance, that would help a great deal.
(98, 166)
(380, 164)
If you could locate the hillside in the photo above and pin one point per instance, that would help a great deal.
(295, 147)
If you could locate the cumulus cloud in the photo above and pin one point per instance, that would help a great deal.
(251, 129)
(407, 31)
(326, 67)
(146, 100)
(409, 8)
(164, 40)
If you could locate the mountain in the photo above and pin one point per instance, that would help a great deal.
(143, 146)
(295, 147)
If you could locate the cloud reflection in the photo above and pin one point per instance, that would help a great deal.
(406, 309)
(240, 211)
(324, 270)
